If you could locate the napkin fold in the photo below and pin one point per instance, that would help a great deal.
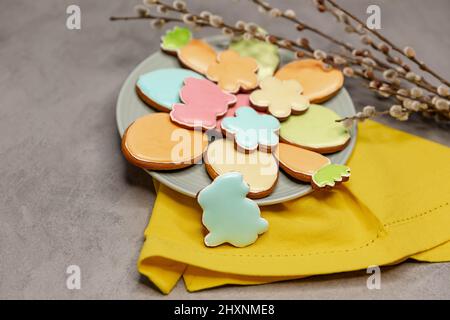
(395, 206)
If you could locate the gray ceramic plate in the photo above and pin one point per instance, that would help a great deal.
(191, 180)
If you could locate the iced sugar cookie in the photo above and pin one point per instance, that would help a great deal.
(316, 130)
(203, 102)
(233, 72)
(260, 169)
(252, 130)
(160, 88)
(193, 53)
(154, 142)
(310, 166)
(280, 97)
(242, 100)
(228, 215)
(318, 84)
(265, 54)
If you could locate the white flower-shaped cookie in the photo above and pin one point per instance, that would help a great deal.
(280, 97)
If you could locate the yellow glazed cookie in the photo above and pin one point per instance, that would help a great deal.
(280, 97)
(260, 169)
(318, 84)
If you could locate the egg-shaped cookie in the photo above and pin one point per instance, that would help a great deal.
(160, 88)
(259, 169)
(154, 142)
(316, 130)
(319, 84)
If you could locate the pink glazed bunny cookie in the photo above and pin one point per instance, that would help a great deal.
(203, 102)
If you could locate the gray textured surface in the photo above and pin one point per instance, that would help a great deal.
(67, 196)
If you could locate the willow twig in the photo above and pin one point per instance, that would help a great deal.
(411, 55)
(411, 100)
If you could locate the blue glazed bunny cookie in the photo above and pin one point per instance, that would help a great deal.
(228, 215)
(252, 130)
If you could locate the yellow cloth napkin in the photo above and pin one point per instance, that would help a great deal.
(395, 206)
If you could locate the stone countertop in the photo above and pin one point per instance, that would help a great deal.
(69, 197)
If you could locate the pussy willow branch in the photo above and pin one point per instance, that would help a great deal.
(300, 49)
(403, 68)
(202, 22)
(439, 105)
(421, 64)
(362, 117)
(277, 40)
(378, 65)
(146, 17)
(301, 25)
(349, 48)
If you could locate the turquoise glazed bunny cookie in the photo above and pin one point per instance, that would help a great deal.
(228, 215)
(251, 129)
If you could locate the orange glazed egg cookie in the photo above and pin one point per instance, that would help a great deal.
(318, 83)
(154, 142)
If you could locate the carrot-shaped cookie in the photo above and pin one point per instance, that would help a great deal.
(193, 53)
(309, 166)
